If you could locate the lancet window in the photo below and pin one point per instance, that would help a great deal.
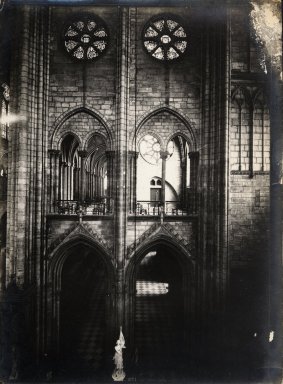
(249, 133)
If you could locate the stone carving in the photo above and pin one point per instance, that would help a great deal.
(6, 92)
(79, 229)
(158, 229)
(119, 374)
(142, 238)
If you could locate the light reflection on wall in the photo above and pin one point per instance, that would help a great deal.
(266, 22)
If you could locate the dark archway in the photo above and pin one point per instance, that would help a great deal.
(83, 275)
(161, 307)
(159, 310)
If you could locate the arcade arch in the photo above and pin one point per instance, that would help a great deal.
(80, 300)
(161, 302)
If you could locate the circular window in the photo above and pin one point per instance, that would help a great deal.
(150, 149)
(86, 38)
(164, 38)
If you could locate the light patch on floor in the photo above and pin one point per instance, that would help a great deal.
(151, 288)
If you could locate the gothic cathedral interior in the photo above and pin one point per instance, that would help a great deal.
(140, 188)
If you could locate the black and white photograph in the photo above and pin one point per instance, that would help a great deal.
(141, 191)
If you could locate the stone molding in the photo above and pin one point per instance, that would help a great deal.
(157, 230)
(79, 229)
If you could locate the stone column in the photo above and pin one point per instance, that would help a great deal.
(88, 186)
(76, 182)
(213, 179)
(64, 181)
(83, 155)
(273, 265)
(71, 183)
(183, 182)
(163, 156)
(54, 176)
(194, 161)
(132, 181)
(110, 173)
(2, 269)
(121, 158)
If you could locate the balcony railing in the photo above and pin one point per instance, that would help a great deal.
(155, 208)
(104, 206)
(100, 207)
(171, 208)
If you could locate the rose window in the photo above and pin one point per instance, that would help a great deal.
(164, 38)
(150, 149)
(86, 38)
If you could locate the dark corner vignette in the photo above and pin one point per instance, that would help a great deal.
(141, 191)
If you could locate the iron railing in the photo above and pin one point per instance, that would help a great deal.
(104, 206)
(156, 208)
(171, 208)
(100, 207)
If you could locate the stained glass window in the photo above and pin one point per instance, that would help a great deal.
(86, 38)
(164, 38)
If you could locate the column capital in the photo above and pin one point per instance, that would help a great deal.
(193, 155)
(55, 152)
(134, 154)
(82, 154)
(109, 154)
(164, 155)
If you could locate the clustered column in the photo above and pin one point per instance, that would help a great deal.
(133, 155)
(163, 156)
(83, 155)
(54, 156)
(194, 161)
(110, 178)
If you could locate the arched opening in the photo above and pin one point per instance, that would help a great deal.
(69, 168)
(160, 313)
(169, 163)
(84, 317)
(83, 177)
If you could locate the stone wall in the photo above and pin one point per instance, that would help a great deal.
(76, 85)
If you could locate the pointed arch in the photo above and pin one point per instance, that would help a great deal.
(69, 133)
(91, 139)
(155, 240)
(67, 115)
(258, 98)
(187, 265)
(184, 120)
(241, 91)
(54, 282)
